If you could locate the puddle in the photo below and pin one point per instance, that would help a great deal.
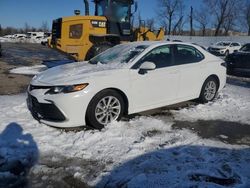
(227, 132)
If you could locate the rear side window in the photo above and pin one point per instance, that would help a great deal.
(185, 54)
(75, 31)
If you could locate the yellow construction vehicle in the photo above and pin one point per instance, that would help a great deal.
(83, 37)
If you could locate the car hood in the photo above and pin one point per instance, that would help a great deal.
(74, 73)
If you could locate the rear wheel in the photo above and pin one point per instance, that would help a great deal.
(209, 90)
(97, 49)
(106, 107)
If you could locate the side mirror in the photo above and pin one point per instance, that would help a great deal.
(146, 66)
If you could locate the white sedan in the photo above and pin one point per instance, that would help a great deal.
(126, 79)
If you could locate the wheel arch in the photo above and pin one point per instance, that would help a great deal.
(123, 95)
(125, 98)
(212, 76)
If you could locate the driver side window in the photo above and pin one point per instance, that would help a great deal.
(160, 56)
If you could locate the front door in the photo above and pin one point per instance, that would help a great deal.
(154, 88)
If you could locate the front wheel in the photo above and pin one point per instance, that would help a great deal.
(106, 107)
(209, 90)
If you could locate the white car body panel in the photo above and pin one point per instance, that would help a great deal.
(156, 88)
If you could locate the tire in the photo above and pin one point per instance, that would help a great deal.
(97, 49)
(99, 115)
(209, 90)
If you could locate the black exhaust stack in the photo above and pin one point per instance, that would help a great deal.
(86, 3)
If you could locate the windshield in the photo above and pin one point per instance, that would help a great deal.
(102, 8)
(115, 10)
(123, 53)
(223, 43)
(245, 48)
(120, 11)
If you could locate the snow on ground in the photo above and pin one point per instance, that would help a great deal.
(28, 70)
(22, 40)
(227, 108)
(142, 152)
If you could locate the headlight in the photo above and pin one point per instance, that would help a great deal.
(66, 89)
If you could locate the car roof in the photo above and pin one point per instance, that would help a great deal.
(158, 43)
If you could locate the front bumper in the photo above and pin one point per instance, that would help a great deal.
(60, 110)
(46, 111)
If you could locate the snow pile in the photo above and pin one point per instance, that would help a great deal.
(142, 152)
(2, 39)
(29, 70)
(233, 104)
(22, 40)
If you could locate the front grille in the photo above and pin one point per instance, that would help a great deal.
(44, 111)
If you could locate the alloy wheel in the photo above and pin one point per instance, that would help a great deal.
(210, 90)
(107, 110)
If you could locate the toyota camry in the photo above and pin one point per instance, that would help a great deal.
(126, 79)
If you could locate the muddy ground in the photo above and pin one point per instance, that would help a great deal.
(21, 54)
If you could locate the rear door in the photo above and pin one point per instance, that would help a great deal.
(192, 69)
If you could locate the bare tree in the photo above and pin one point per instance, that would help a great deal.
(178, 26)
(246, 14)
(163, 23)
(202, 17)
(150, 23)
(191, 21)
(168, 9)
(139, 19)
(222, 9)
(229, 23)
(26, 27)
(1, 30)
(180, 21)
(45, 26)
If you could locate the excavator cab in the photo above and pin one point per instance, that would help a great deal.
(85, 36)
(118, 14)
